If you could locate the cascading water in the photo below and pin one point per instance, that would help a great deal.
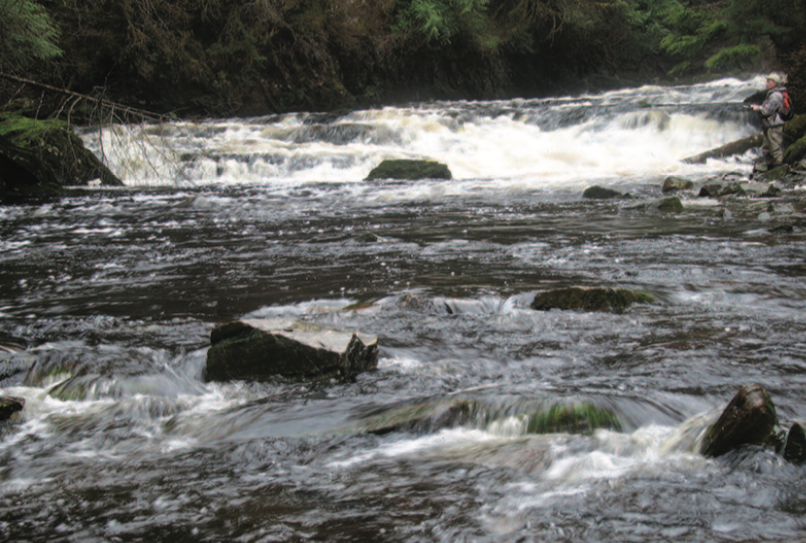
(109, 297)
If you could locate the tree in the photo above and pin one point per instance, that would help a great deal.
(26, 35)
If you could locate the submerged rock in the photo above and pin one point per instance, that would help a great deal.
(262, 349)
(749, 419)
(410, 169)
(589, 299)
(581, 418)
(10, 405)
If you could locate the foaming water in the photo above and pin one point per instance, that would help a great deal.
(539, 143)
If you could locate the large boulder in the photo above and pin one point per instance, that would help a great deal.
(39, 157)
(749, 419)
(589, 299)
(409, 169)
(264, 349)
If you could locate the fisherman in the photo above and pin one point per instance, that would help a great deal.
(772, 125)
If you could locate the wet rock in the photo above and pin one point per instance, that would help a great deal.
(795, 448)
(675, 184)
(601, 193)
(672, 203)
(582, 418)
(39, 157)
(749, 419)
(589, 299)
(732, 189)
(710, 190)
(775, 174)
(263, 349)
(10, 405)
(410, 169)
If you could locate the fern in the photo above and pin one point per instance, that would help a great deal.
(26, 34)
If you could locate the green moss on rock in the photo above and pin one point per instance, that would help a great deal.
(589, 299)
(581, 418)
(409, 169)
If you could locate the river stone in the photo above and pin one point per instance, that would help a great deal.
(601, 193)
(710, 190)
(589, 299)
(674, 184)
(409, 169)
(795, 449)
(10, 405)
(672, 203)
(749, 419)
(262, 349)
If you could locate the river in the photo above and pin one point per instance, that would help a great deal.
(108, 297)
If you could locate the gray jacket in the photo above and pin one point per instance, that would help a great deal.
(772, 104)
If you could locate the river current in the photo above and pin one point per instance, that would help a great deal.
(108, 297)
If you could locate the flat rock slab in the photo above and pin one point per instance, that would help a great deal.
(263, 349)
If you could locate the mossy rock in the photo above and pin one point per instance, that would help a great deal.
(795, 152)
(672, 203)
(581, 418)
(589, 299)
(410, 169)
(775, 174)
(796, 128)
(39, 157)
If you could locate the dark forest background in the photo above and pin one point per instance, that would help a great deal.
(249, 57)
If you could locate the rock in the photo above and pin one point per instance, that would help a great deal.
(409, 169)
(589, 299)
(672, 203)
(710, 190)
(10, 405)
(581, 418)
(732, 189)
(600, 193)
(749, 419)
(795, 448)
(795, 152)
(674, 184)
(262, 349)
(775, 174)
(737, 147)
(39, 157)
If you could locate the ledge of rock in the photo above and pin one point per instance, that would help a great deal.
(410, 169)
(39, 157)
(589, 299)
(263, 349)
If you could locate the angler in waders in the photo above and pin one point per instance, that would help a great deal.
(772, 125)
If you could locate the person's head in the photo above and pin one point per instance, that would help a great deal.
(774, 79)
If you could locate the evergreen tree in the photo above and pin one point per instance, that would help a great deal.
(26, 35)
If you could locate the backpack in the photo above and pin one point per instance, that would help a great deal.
(786, 112)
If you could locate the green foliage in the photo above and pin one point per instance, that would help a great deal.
(26, 35)
(439, 21)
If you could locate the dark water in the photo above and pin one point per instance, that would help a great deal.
(108, 298)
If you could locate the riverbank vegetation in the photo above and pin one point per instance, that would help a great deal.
(248, 57)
